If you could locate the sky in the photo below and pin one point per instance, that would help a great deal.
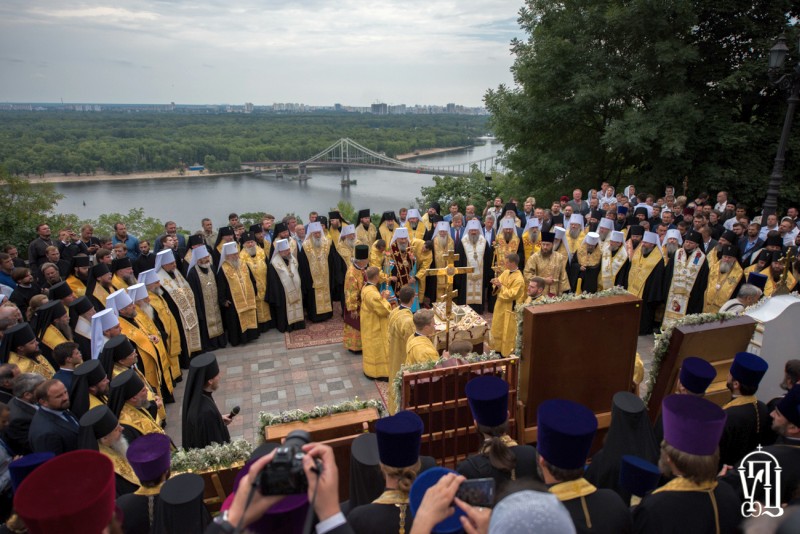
(318, 52)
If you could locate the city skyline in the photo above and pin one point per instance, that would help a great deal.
(213, 52)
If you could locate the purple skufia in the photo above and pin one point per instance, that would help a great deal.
(692, 424)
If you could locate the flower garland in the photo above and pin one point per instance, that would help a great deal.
(472, 357)
(569, 297)
(211, 458)
(266, 419)
(662, 342)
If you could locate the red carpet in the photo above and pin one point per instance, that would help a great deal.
(315, 334)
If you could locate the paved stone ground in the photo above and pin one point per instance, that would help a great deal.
(266, 376)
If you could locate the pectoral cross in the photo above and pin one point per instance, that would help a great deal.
(449, 271)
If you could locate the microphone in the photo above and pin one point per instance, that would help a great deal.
(234, 412)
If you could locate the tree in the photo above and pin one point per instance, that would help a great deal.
(25, 206)
(136, 222)
(473, 189)
(633, 91)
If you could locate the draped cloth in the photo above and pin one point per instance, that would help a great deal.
(206, 299)
(242, 294)
(171, 328)
(374, 324)
(420, 349)
(721, 287)
(316, 270)
(180, 293)
(401, 328)
(354, 281)
(258, 269)
(611, 266)
(474, 255)
(688, 269)
(504, 320)
(366, 236)
(285, 293)
(553, 266)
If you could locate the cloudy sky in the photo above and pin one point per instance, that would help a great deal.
(319, 52)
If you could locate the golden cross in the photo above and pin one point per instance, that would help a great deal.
(449, 271)
(782, 288)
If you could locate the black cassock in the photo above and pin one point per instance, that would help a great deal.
(230, 317)
(372, 517)
(479, 466)
(123, 487)
(84, 345)
(205, 426)
(339, 271)
(136, 516)
(604, 510)
(276, 297)
(688, 511)
(489, 298)
(697, 295)
(309, 300)
(787, 453)
(184, 356)
(746, 427)
(219, 342)
(459, 281)
(652, 296)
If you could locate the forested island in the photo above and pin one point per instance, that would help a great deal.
(36, 143)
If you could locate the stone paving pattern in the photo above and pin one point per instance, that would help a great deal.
(266, 376)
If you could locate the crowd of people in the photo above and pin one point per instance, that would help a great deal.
(97, 332)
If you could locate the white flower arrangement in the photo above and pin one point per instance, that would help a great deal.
(211, 458)
(266, 419)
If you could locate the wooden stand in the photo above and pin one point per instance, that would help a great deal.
(716, 342)
(582, 351)
(337, 430)
(438, 397)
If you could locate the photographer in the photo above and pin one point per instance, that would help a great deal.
(319, 466)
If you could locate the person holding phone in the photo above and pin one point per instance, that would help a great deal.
(499, 457)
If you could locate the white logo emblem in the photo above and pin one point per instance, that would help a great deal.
(760, 469)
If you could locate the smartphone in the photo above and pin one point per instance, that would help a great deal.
(477, 492)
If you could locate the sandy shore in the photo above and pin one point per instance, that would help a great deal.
(59, 178)
(56, 178)
(428, 152)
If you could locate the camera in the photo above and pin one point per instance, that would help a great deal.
(284, 475)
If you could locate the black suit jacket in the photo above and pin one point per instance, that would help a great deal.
(50, 432)
(20, 417)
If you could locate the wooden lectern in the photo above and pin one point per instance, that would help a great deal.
(716, 342)
(583, 350)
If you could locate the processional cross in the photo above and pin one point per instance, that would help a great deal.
(782, 287)
(449, 271)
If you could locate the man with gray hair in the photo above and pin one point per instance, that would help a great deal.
(747, 296)
(23, 408)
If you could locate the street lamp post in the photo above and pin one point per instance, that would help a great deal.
(786, 81)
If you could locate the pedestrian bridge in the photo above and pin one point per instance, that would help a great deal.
(345, 154)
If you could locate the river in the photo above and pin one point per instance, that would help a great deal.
(187, 200)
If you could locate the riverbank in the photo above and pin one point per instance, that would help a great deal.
(59, 178)
(428, 152)
(55, 178)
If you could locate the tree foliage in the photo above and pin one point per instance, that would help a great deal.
(642, 92)
(34, 143)
(24, 207)
(473, 189)
(136, 223)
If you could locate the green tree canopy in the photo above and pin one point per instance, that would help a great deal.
(634, 91)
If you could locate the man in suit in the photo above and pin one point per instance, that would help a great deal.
(709, 243)
(488, 230)
(53, 428)
(171, 229)
(749, 244)
(22, 408)
(457, 228)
